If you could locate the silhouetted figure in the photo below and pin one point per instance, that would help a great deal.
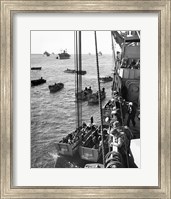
(91, 120)
(89, 89)
(131, 114)
(124, 92)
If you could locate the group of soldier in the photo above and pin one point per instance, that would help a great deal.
(119, 109)
(120, 134)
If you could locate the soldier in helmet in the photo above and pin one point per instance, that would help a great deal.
(131, 114)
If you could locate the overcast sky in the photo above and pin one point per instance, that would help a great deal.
(55, 41)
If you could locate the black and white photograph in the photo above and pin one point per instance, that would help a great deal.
(85, 99)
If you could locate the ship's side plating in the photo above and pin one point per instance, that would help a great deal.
(128, 64)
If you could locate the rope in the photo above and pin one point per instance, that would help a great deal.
(121, 113)
(100, 102)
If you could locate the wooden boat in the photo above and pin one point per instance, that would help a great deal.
(38, 82)
(70, 144)
(56, 87)
(94, 98)
(36, 68)
(106, 79)
(82, 72)
(84, 94)
(69, 71)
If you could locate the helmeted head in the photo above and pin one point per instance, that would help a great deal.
(114, 112)
(116, 124)
(107, 119)
(120, 98)
(114, 108)
(115, 92)
(130, 104)
(122, 133)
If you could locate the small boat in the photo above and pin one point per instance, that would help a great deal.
(63, 55)
(106, 79)
(69, 145)
(56, 87)
(94, 98)
(84, 94)
(69, 71)
(36, 68)
(82, 72)
(38, 82)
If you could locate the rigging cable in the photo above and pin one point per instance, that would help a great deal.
(115, 85)
(78, 80)
(100, 102)
(120, 103)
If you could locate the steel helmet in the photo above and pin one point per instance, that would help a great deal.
(116, 124)
(114, 112)
(107, 119)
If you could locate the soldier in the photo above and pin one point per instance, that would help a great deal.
(121, 139)
(116, 115)
(91, 120)
(131, 114)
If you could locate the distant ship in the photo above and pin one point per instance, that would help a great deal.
(100, 53)
(63, 55)
(46, 54)
(36, 68)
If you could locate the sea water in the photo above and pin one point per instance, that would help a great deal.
(53, 115)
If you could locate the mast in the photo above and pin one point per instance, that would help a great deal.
(78, 77)
(100, 102)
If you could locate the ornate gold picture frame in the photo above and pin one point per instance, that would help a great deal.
(162, 8)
